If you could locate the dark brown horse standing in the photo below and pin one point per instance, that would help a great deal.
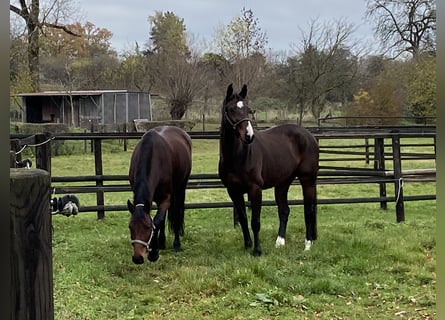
(251, 161)
(159, 170)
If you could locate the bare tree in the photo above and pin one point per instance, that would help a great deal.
(182, 81)
(242, 43)
(177, 69)
(241, 38)
(36, 17)
(325, 62)
(136, 71)
(404, 25)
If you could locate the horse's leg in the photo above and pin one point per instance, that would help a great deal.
(235, 218)
(161, 236)
(176, 216)
(283, 212)
(255, 197)
(158, 223)
(310, 211)
(240, 207)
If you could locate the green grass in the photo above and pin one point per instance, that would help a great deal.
(363, 266)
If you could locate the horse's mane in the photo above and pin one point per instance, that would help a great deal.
(141, 190)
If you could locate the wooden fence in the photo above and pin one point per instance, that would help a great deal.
(31, 280)
(377, 142)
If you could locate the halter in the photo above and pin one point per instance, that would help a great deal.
(146, 244)
(234, 125)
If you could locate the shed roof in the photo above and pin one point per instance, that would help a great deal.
(73, 93)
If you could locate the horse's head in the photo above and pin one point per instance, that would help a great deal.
(236, 114)
(141, 233)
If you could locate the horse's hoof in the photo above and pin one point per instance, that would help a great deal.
(153, 257)
(280, 242)
(307, 245)
(256, 253)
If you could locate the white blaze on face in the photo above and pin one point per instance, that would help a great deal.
(249, 130)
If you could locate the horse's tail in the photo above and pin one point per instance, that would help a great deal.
(176, 210)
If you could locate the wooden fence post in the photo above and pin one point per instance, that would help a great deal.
(398, 180)
(125, 131)
(92, 142)
(15, 146)
(435, 154)
(379, 165)
(43, 152)
(99, 172)
(85, 142)
(12, 159)
(31, 247)
(366, 150)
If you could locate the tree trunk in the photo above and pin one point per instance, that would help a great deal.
(177, 110)
(316, 111)
(33, 44)
(301, 108)
(73, 123)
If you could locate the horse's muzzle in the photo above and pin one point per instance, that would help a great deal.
(138, 259)
(248, 139)
(248, 136)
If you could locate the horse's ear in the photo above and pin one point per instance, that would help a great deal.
(229, 91)
(130, 206)
(243, 92)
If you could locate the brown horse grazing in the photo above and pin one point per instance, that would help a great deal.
(251, 161)
(159, 170)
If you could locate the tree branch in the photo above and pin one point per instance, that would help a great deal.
(64, 28)
(20, 12)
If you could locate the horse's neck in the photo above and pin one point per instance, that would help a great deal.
(145, 180)
(233, 151)
(143, 192)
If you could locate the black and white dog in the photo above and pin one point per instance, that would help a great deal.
(23, 163)
(67, 205)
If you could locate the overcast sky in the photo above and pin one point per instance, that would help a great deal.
(281, 20)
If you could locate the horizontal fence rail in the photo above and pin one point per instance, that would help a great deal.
(378, 152)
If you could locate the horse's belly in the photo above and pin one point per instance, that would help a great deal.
(235, 181)
(277, 179)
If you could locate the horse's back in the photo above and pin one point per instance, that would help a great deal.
(171, 131)
(169, 149)
(179, 144)
(289, 138)
(286, 150)
(298, 133)
(172, 135)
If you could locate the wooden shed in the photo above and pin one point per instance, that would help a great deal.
(84, 107)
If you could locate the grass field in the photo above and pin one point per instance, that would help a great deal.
(363, 266)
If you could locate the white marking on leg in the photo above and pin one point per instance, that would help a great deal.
(280, 242)
(240, 104)
(307, 244)
(249, 129)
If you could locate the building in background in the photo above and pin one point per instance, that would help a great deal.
(84, 108)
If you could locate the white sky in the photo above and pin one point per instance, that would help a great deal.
(281, 20)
